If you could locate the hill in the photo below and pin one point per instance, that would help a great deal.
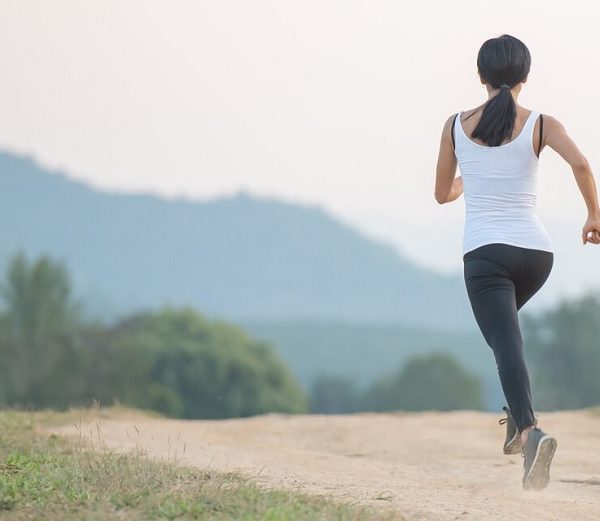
(240, 257)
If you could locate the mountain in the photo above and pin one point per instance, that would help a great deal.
(240, 258)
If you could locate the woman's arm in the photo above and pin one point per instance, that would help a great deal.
(556, 137)
(448, 187)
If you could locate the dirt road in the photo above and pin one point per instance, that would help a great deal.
(427, 466)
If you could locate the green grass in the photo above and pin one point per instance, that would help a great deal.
(43, 476)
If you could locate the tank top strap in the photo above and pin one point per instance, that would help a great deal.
(530, 125)
(457, 128)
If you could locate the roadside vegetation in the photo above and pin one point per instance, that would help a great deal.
(182, 364)
(561, 345)
(425, 382)
(177, 361)
(43, 476)
(174, 361)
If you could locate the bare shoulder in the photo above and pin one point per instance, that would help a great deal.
(557, 138)
(551, 124)
(447, 130)
(450, 121)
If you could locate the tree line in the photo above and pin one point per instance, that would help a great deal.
(182, 364)
(174, 361)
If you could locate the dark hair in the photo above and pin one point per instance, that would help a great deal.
(502, 62)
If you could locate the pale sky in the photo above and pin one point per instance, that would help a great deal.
(338, 103)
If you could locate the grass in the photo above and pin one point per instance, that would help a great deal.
(44, 476)
(595, 410)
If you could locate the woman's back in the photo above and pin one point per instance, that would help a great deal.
(500, 186)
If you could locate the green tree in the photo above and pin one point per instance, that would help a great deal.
(331, 394)
(431, 382)
(563, 349)
(197, 368)
(37, 298)
(40, 357)
(173, 361)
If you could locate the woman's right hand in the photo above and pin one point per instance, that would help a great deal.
(591, 230)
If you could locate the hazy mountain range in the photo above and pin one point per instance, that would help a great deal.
(240, 258)
(331, 300)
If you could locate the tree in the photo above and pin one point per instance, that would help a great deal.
(563, 349)
(334, 394)
(40, 358)
(38, 298)
(430, 382)
(196, 368)
(173, 361)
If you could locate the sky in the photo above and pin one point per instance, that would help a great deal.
(338, 103)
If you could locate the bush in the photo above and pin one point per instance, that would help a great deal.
(562, 348)
(432, 382)
(334, 395)
(213, 367)
(172, 361)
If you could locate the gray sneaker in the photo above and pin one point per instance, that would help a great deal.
(512, 443)
(538, 452)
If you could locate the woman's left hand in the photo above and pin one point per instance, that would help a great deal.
(591, 230)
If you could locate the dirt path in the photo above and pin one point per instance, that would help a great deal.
(428, 466)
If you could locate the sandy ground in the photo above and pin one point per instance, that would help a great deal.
(426, 466)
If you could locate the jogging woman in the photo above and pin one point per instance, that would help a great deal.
(507, 253)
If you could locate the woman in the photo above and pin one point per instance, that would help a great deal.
(507, 253)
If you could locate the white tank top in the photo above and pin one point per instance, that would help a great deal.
(500, 190)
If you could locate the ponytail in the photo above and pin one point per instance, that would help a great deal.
(503, 63)
(497, 121)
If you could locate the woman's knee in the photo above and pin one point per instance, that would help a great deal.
(508, 349)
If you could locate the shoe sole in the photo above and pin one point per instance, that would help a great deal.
(539, 473)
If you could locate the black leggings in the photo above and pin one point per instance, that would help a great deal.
(500, 278)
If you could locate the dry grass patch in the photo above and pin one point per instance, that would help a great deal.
(47, 477)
